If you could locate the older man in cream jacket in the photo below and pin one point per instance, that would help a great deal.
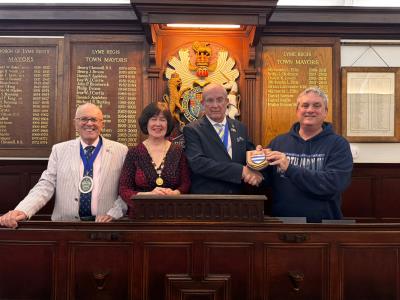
(83, 173)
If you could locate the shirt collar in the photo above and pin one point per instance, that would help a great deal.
(84, 145)
(213, 122)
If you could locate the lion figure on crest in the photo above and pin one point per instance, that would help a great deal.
(174, 98)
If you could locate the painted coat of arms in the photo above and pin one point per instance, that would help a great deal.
(191, 71)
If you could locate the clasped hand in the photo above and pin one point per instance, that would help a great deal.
(161, 191)
(251, 177)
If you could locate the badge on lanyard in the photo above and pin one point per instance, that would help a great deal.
(86, 183)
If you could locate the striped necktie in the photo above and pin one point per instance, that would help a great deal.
(221, 133)
(220, 130)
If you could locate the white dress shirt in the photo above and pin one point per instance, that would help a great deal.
(224, 123)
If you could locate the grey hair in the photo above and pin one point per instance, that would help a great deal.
(213, 86)
(315, 90)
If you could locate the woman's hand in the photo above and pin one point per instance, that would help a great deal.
(161, 191)
(172, 192)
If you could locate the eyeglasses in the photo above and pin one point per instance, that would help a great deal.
(85, 120)
(211, 101)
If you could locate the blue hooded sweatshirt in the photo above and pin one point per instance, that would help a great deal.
(319, 171)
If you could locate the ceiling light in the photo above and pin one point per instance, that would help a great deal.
(212, 26)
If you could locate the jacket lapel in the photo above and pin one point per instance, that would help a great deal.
(75, 162)
(234, 135)
(106, 158)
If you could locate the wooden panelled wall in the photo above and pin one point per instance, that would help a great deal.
(375, 189)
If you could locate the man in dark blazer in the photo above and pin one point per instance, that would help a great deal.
(216, 146)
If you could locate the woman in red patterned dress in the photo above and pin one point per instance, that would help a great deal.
(156, 166)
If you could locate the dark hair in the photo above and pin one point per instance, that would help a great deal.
(154, 109)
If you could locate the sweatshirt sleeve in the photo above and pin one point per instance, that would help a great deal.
(332, 179)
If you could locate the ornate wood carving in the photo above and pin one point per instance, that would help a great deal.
(200, 207)
(99, 270)
(250, 115)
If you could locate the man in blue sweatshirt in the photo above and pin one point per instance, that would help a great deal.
(310, 166)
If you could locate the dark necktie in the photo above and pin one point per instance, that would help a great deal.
(86, 198)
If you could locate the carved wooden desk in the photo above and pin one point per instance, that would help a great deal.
(248, 208)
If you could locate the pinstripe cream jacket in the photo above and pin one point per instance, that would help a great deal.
(62, 176)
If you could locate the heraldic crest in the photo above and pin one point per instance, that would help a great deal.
(191, 71)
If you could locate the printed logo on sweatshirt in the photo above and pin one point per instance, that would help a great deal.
(313, 162)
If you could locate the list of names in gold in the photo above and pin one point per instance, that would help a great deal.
(126, 111)
(107, 77)
(41, 105)
(286, 72)
(282, 85)
(292, 71)
(26, 90)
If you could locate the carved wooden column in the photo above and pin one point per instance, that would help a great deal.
(248, 102)
(249, 95)
(155, 90)
(154, 75)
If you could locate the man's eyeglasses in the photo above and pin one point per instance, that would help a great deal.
(211, 101)
(85, 120)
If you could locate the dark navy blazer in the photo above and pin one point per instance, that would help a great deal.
(213, 170)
